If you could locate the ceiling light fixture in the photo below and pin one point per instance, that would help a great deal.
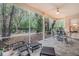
(58, 12)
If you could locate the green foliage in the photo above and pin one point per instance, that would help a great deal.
(5, 17)
(21, 21)
(39, 23)
(58, 24)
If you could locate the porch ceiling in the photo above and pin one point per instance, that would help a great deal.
(50, 9)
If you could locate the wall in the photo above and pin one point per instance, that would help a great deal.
(71, 24)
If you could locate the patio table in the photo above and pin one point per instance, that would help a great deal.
(47, 51)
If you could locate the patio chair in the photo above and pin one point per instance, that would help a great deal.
(23, 51)
(17, 45)
(34, 46)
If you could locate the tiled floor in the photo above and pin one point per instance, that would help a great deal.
(61, 48)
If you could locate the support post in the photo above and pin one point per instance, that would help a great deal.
(43, 28)
(29, 29)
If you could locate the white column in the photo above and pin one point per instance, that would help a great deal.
(29, 29)
(50, 25)
(43, 28)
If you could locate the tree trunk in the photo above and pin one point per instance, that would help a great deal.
(4, 21)
(10, 22)
(53, 24)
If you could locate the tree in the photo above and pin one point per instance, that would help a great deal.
(4, 20)
(20, 21)
(10, 22)
(53, 24)
(7, 17)
(39, 23)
